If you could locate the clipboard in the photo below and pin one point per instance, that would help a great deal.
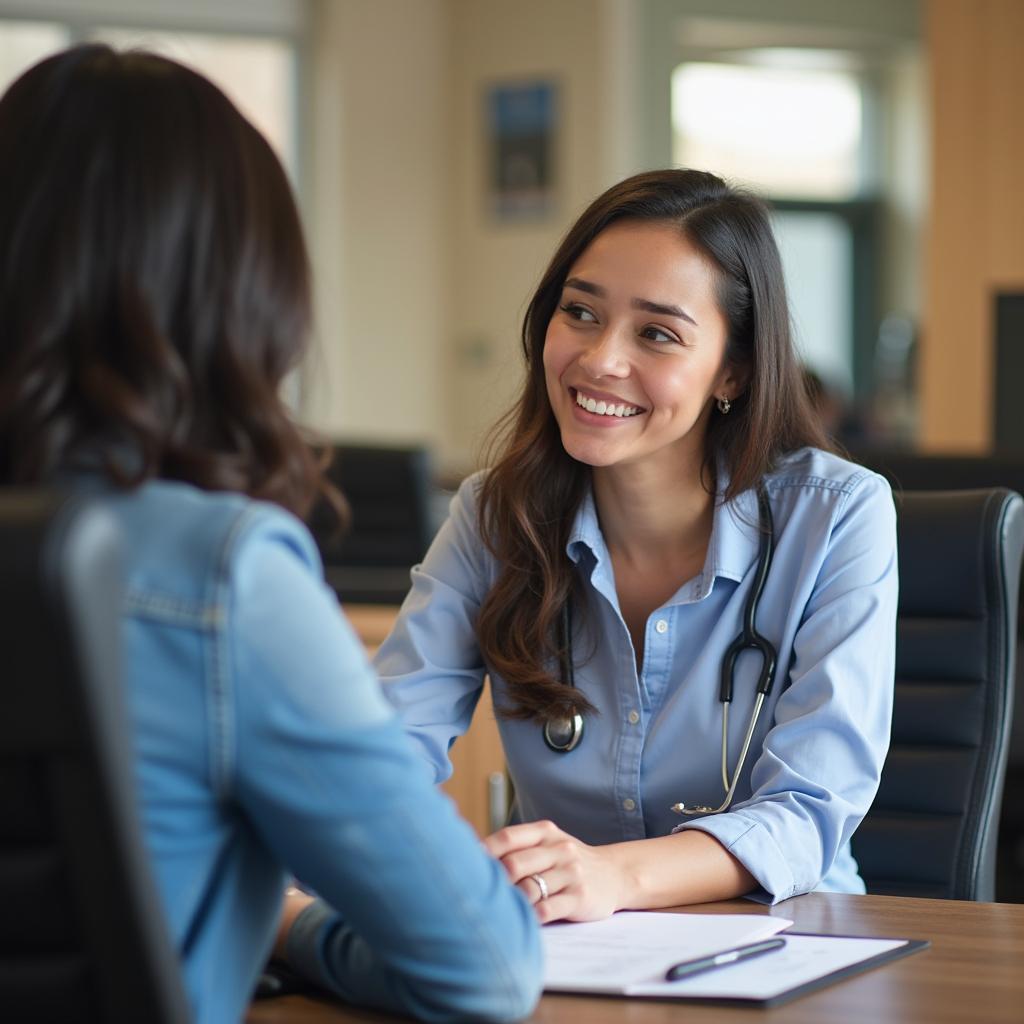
(908, 948)
(629, 954)
(769, 981)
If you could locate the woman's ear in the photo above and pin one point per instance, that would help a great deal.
(733, 381)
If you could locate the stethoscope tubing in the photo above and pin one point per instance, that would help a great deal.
(748, 639)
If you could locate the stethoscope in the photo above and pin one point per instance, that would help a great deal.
(564, 734)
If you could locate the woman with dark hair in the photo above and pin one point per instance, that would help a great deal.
(663, 535)
(154, 291)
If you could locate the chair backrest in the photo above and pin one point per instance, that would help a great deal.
(389, 494)
(82, 933)
(933, 827)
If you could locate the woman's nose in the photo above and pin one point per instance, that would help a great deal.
(605, 355)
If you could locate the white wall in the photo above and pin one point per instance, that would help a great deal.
(378, 181)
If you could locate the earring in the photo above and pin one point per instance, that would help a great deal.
(724, 405)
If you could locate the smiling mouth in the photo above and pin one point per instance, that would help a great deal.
(602, 407)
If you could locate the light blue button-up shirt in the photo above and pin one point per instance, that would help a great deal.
(829, 608)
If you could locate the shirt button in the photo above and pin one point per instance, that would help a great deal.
(661, 626)
(634, 717)
(629, 804)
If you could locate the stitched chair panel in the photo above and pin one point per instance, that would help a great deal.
(82, 935)
(932, 829)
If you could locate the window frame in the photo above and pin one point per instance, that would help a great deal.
(863, 217)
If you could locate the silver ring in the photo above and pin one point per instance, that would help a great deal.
(542, 885)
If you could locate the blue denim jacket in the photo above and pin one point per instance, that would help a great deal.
(264, 748)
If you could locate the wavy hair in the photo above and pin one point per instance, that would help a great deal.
(154, 282)
(530, 497)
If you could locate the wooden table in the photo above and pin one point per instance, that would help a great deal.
(972, 974)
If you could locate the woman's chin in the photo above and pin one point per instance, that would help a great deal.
(592, 453)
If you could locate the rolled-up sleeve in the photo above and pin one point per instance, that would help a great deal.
(819, 769)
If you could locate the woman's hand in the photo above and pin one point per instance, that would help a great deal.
(584, 883)
(295, 902)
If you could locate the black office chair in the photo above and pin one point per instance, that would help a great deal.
(82, 935)
(388, 491)
(933, 827)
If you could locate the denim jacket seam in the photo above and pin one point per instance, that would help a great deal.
(170, 608)
(220, 688)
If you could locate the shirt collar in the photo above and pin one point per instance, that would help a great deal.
(586, 532)
(735, 536)
(734, 544)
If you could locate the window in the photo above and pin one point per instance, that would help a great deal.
(258, 74)
(793, 125)
(253, 56)
(255, 60)
(785, 130)
(23, 43)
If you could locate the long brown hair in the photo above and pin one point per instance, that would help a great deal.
(529, 499)
(154, 283)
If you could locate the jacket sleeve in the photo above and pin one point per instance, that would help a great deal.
(819, 769)
(430, 665)
(414, 917)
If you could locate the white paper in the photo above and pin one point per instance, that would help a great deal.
(803, 959)
(636, 948)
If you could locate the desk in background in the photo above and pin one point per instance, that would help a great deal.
(973, 973)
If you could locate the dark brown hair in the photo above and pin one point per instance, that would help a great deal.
(530, 497)
(154, 283)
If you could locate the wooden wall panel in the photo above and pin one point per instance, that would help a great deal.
(975, 239)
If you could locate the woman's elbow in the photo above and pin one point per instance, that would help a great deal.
(490, 989)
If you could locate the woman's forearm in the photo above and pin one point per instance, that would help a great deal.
(566, 879)
(686, 867)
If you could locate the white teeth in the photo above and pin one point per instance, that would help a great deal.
(602, 408)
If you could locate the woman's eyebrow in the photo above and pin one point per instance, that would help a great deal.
(585, 286)
(645, 304)
(664, 310)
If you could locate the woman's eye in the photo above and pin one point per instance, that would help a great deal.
(657, 334)
(578, 312)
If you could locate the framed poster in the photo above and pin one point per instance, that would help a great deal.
(521, 122)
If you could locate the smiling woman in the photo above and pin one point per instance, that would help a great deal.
(611, 346)
(660, 490)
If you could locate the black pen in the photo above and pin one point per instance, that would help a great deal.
(688, 968)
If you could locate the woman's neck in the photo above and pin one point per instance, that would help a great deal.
(651, 518)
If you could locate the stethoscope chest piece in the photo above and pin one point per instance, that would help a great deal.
(564, 734)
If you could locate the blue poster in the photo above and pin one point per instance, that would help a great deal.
(521, 150)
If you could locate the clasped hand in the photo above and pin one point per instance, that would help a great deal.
(583, 882)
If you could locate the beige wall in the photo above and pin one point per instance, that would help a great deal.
(495, 265)
(976, 226)
(420, 290)
(378, 180)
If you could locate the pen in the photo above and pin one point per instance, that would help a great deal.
(688, 968)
